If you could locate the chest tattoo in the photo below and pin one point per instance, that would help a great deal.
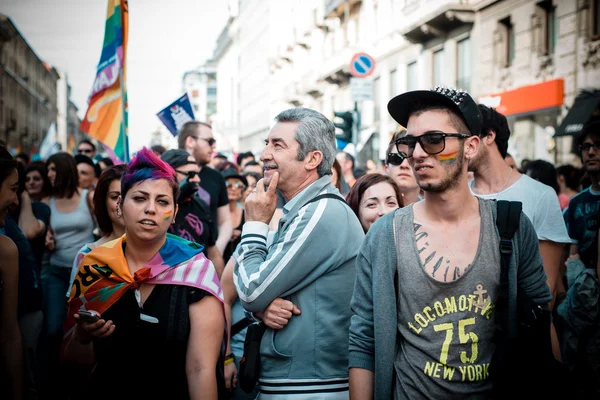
(442, 264)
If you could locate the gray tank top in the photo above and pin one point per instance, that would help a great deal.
(447, 328)
(71, 231)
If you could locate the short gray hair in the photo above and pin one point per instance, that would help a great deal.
(315, 133)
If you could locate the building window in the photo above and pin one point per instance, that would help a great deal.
(463, 68)
(509, 41)
(438, 67)
(596, 19)
(212, 91)
(549, 27)
(376, 95)
(411, 76)
(393, 83)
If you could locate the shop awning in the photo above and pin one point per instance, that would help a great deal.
(584, 106)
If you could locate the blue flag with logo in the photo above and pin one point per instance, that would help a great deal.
(176, 114)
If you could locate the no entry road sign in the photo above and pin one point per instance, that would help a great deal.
(362, 65)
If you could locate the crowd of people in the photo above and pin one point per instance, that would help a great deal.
(157, 277)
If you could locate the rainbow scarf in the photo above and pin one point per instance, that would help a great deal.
(104, 277)
(105, 119)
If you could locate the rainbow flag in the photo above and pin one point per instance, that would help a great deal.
(105, 118)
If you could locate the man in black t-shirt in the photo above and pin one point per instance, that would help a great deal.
(194, 221)
(197, 139)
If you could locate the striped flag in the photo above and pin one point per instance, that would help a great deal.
(106, 116)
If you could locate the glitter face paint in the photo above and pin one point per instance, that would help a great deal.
(167, 215)
(448, 158)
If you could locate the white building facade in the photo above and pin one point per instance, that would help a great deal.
(527, 58)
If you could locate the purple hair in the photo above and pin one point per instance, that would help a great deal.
(146, 165)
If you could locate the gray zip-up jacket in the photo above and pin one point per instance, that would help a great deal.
(311, 262)
(374, 337)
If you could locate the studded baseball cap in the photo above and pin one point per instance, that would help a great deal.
(402, 106)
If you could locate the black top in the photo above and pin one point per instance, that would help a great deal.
(212, 190)
(41, 211)
(194, 222)
(233, 243)
(30, 293)
(145, 360)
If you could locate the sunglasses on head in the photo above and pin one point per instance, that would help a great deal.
(211, 141)
(432, 143)
(188, 174)
(237, 185)
(395, 158)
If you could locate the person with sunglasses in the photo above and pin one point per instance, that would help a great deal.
(197, 139)
(398, 168)
(414, 333)
(193, 221)
(87, 148)
(236, 186)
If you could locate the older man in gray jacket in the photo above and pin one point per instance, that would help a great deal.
(303, 280)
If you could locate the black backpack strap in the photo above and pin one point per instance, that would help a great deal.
(241, 325)
(508, 219)
(325, 196)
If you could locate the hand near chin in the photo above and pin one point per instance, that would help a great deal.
(261, 204)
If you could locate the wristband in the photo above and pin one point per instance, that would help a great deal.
(229, 359)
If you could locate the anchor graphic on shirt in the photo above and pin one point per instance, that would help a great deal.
(481, 302)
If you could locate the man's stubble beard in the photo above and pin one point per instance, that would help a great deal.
(450, 181)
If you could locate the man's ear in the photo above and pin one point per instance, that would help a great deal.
(490, 137)
(472, 144)
(313, 160)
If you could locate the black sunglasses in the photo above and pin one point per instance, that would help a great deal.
(586, 147)
(189, 174)
(395, 158)
(432, 143)
(211, 141)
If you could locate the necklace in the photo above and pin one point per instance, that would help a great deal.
(505, 184)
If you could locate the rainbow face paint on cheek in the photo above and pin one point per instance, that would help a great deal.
(167, 215)
(448, 158)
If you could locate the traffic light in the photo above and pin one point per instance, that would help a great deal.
(346, 125)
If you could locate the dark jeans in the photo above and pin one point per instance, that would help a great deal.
(55, 282)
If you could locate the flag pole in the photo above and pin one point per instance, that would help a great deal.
(123, 125)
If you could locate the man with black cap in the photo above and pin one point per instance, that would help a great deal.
(193, 221)
(436, 289)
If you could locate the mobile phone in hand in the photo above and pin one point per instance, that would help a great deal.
(89, 317)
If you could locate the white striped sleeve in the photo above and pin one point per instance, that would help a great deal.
(262, 275)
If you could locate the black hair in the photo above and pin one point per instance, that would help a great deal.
(83, 159)
(86, 141)
(24, 156)
(591, 128)
(7, 164)
(157, 148)
(544, 172)
(492, 120)
(241, 156)
(251, 163)
(108, 162)
(571, 174)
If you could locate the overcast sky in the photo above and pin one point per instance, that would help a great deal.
(166, 38)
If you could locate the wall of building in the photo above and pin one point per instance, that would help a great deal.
(297, 53)
(28, 91)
